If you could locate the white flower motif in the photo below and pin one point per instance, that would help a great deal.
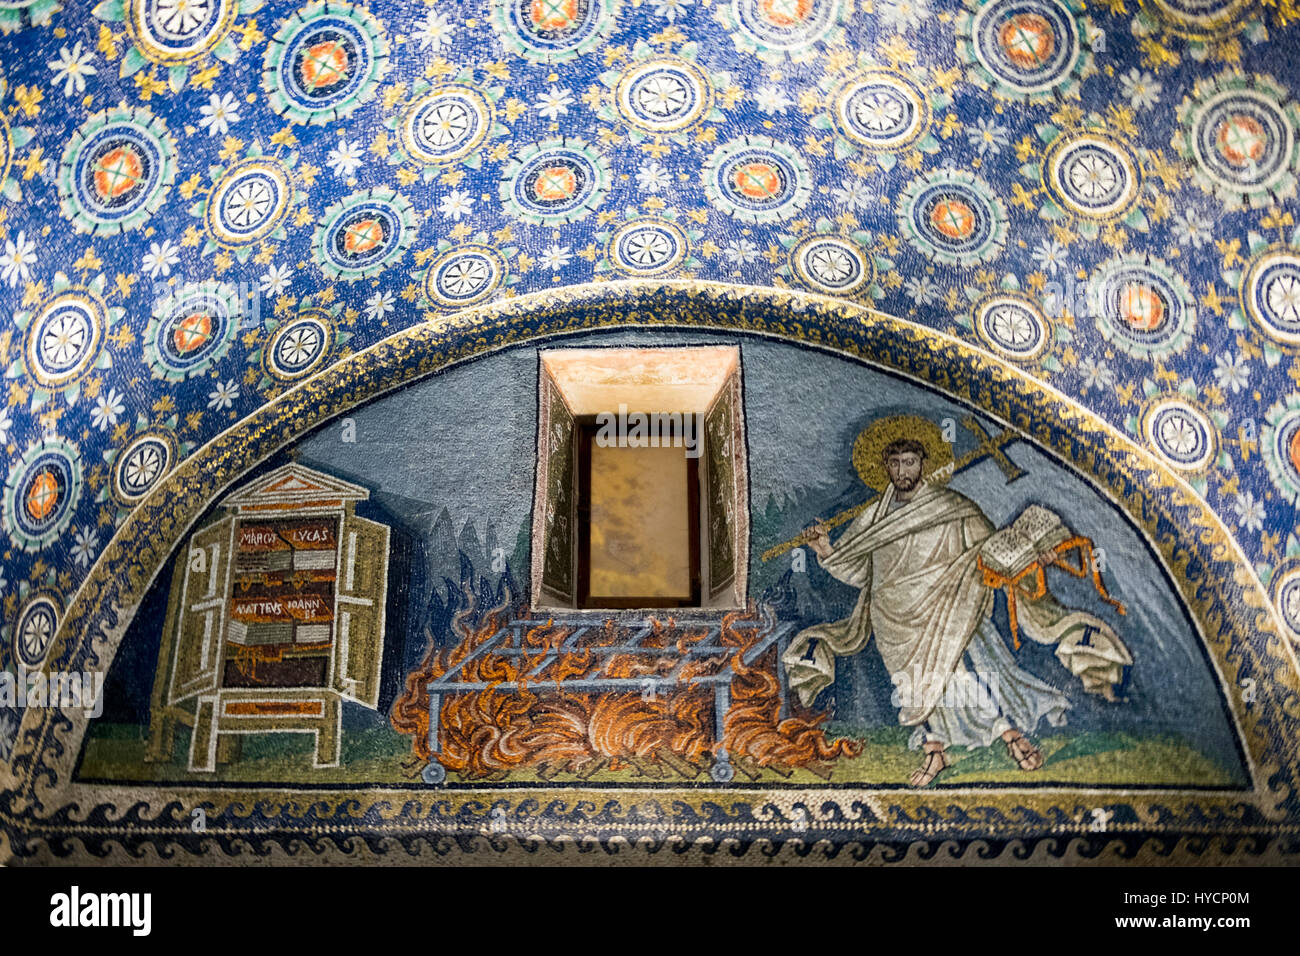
(160, 258)
(556, 257)
(854, 195)
(772, 99)
(1250, 513)
(923, 290)
(71, 69)
(455, 204)
(345, 159)
(555, 102)
(670, 10)
(901, 14)
(1141, 88)
(1231, 372)
(379, 305)
(6, 423)
(107, 408)
(84, 549)
(220, 112)
(742, 252)
(224, 395)
(1096, 374)
(1049, 255)
(437, 32)
(17, 259)
(653, 178)
(988, 136)
(276, 280)
(1194, 228)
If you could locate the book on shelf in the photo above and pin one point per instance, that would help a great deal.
(1010, 550)
(321, 560)
(259, 633)
(253, 561)
(312, 634)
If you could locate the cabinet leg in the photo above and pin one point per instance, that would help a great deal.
(330, 735)
(162, 739)
(203, 742)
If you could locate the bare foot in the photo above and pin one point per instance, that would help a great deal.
(1022, 750)
(936, 761)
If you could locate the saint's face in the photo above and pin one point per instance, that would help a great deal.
(904, 470)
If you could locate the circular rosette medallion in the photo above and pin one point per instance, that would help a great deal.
(1200, 20)
(6, 148)
(555, 182)
(880, 110)
(953, 217)
(1025, 49)
(249, 201)
(1144, 308)
(663, 95)
(775, 29)
(324, 62)
(116, 171)
(1013, 326)
(445, 124)
(41, 494)
(140, 466)
(757, 179)
(553, 30)
(63, 341)
(1092, 176)
(648, 247)
(178, 31)
(1240, 132)
(1181, 434)
(1280, 444)
(1286, 598)
(38, 622)
(464, 276)
(832, 265)
(191, 330)
(18, 14)
(1270, 294)
(299, 346)
(364, 234)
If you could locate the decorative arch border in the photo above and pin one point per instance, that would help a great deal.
(45, 814)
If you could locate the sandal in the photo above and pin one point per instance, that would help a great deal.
(936, 761)
(1023, 752)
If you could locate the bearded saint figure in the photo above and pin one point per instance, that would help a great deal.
(913, 553)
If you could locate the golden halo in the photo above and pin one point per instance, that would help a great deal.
(872, 441)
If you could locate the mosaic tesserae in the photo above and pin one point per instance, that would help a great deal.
(827, 430)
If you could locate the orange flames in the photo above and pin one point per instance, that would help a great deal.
(486, 733)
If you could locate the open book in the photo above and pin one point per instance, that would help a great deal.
(1015, 547)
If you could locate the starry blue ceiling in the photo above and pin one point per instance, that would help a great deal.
(205, 202)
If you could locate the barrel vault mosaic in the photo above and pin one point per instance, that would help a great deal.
(996, 535)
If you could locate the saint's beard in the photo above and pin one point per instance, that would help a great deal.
(905, 483)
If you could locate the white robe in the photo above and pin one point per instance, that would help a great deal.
(923, 596)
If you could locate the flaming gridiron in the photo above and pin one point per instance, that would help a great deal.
(487, 733)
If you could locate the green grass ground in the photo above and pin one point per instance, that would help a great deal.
(376, 755)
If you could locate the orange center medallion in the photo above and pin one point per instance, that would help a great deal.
(1027, 40)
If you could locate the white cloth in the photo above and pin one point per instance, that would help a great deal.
(923, 596)
(987, 695)
(1086, 645)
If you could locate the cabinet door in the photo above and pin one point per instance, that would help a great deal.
(201, 620)
(359, 621)
(557, 457)
(722, 435)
